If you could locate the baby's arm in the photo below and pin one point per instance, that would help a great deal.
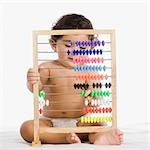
(37, 77)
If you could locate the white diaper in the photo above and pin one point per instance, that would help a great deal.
(64, 122)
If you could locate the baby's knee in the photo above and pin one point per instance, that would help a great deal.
(26, 131)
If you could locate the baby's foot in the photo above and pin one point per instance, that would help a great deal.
(113, 137)
(73, 138)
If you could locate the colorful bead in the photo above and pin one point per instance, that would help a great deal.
(42, 94)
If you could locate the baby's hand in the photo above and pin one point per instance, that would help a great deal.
(87, 93)
(33, 76)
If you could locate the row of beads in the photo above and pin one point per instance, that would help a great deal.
(96, 93)
(85, 60)
(92, 77)
(85, 52)
(43, 102)
(95, 119)
(89, 68)
(88, 43)
(96, 102)
(97, 110)
(94, 85)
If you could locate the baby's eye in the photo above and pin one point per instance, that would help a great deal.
(82, 47)
(67, 45)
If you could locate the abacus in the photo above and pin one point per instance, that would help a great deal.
(101, 59)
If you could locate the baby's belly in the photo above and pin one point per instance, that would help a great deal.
(67, 107)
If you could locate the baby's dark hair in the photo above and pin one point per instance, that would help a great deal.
(71, 21)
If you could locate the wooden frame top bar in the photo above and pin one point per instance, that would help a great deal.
(70, 32)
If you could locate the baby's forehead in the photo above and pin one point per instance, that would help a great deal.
(67, 38)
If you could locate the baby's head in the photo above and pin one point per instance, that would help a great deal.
(61, 43)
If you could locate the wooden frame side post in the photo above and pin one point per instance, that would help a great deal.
(36, 140)
(113, 72)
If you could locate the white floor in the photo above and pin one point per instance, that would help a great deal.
(136, 138)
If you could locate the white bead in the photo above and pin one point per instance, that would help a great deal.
(40, 103)
(92, 102)
(98, 102)
(47, 102)
(43, 102)
(95, 103)
(86, 102)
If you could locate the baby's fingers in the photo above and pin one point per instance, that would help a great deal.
(87, 93)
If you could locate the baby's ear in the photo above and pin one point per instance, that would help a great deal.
(53, 44)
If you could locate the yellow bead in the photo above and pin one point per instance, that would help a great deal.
(81, 119)
(110, 119)
(88, 119)
(85, 119)
(102, 119)
(97, 119)
(92, 120)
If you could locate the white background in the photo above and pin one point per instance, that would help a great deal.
(129, 19)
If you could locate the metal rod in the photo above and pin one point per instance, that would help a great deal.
(61, 52)
(61, 76)
(64, 60)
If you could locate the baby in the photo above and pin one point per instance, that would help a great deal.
(71, 102)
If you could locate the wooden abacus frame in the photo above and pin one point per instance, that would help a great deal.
(37, 129)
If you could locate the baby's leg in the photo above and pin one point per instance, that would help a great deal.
(26, 131)
(112, 137)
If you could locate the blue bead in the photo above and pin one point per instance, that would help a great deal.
(100, 68)
(87, 52)
(83, 52)
(94, 51)
(103, 43)
(90, 52)
(68, 52)
(101, 51)
(96, 68)
(104, 68)
(80, 68)
(87, 68)
(98, 43)
(80, 52)
(97, 51)
(74, 68)
(77, 43)
(74, 52)
(93, 68)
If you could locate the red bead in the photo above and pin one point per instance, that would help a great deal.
(106, 110)
(110, 110)
(103, 110)
(40, 111)
(102, 59)
(100, 110)
(96, 110)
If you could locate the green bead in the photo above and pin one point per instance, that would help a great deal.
(98, 93)
(107, 93)
(42, 94)
(104, 93)
(82, 93)
(92, 93)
